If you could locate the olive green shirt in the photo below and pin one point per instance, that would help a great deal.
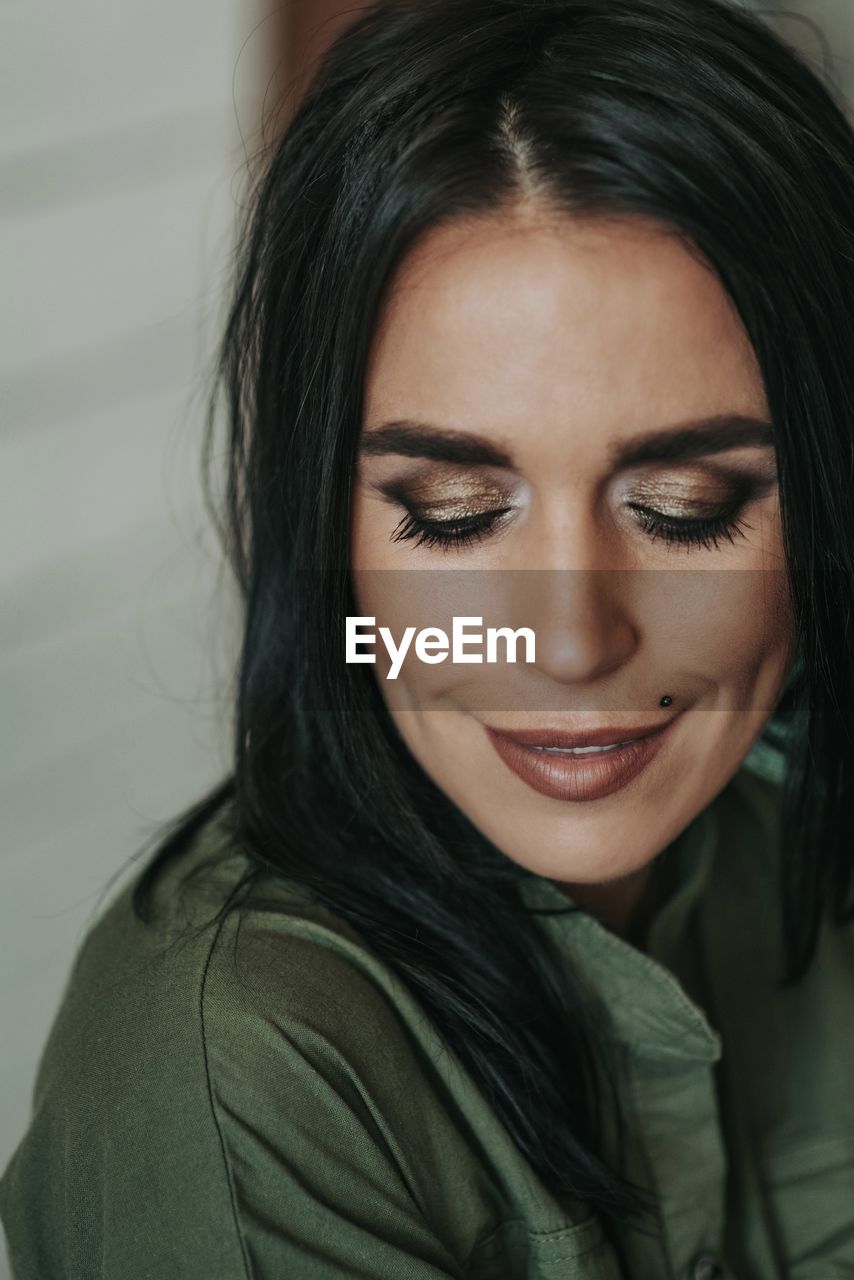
(267, 1100)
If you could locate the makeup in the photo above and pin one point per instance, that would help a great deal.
(586, 765)
(447, 493)
(448, 506)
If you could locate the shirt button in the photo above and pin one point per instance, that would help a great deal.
(706, 1267)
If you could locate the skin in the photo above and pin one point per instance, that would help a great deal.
(558, 342)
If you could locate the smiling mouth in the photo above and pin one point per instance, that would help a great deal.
(583, 765)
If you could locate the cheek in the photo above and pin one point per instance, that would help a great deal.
(733, 625)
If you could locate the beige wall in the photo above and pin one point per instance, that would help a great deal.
(119, 164)
(824, 32)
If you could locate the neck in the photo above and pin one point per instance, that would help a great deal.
(626, 907)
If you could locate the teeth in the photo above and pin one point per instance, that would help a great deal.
(583, 751)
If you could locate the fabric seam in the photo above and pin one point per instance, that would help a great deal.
(223, 1147)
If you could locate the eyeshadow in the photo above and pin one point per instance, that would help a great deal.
(705, 494)
(447, 494)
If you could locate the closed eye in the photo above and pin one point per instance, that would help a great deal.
(456, 532)
(708, 532)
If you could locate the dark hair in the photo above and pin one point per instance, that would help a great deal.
(689, 112)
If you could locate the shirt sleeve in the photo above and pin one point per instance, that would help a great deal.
(308, 1070)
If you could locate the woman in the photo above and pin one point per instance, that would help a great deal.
(542, 316)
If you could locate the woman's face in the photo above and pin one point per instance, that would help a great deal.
(565, 429)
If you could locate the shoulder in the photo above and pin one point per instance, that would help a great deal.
(121, 1112)
(335, 1093)
(261, 1077)
(290, 989)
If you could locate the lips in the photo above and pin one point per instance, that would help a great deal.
(552, 761)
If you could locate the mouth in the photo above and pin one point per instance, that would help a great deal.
(583, 765)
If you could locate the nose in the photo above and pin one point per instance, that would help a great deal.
(583, 623)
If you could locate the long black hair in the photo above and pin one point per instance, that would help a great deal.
(689, 112)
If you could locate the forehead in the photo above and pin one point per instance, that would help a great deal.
(546, 329)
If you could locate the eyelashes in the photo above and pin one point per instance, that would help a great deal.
(707, 533)
(459, 533)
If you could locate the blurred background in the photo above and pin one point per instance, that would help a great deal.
(130, 132)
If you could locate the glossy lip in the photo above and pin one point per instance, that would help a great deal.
(534, 756)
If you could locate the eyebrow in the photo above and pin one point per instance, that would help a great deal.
(420, 440)
(680, 443)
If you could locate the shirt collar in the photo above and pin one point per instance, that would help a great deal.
(649, 1011)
